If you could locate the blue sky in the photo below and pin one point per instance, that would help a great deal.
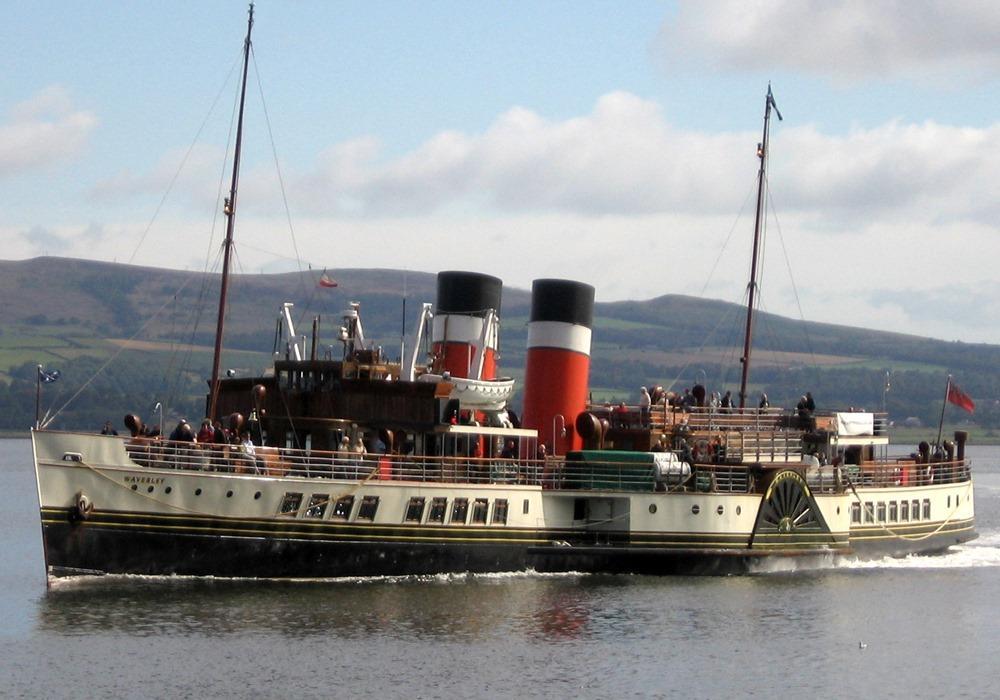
(604, 141)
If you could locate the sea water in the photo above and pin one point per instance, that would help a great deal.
(910, 628)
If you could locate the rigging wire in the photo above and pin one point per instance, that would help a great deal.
(171, 379)
(118, 352)
(277, 165)
(725, 244)
(708, 280)
(791, 277)
(180, 167)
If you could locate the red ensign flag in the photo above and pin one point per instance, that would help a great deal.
(960, 398)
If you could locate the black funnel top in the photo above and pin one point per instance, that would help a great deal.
(562, 300)
(467, 292)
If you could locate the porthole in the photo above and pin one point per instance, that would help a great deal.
(168, 489)
(135, 487)
(738, 510)
(720, 510)
(229, 494)
(149, 489)
(197, 492)
(696, 509)
(652, 507)
(256, 496)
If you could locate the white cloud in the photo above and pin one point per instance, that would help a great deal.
(623, 157)
(42, 131)
(192, 173)
(877, 221)
(850, 39)
(904, 171)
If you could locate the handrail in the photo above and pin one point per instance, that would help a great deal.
(550, 473)
(664, 417)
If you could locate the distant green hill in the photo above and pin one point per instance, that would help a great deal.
(76, 314)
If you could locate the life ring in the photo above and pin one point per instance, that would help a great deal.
(84, 506)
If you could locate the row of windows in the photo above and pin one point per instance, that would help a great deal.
(892, 512)
(462, 511)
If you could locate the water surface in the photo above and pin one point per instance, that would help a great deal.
(928, 624)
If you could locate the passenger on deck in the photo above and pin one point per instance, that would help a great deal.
(715, 401)
(183, 432)
(207, 433)
(621, 416)
(685, 449)
(509, 450)
(764, 403)
(802, 410)
(108, 429)
(644, 403)
(687, 401)
(698, 392)
(249, 452)
(727, 402)
(359, 447)
(810, 404)
(657, 395)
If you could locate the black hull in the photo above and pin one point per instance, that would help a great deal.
(74, 549)
(130, 544)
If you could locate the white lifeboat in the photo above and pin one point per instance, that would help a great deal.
(479, 394)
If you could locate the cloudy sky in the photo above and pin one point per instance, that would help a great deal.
(608, 142)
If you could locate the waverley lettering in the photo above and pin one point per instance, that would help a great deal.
(155, 480)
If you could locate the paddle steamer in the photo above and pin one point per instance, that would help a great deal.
(357, 466)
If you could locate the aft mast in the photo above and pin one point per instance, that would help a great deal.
(758, 225)
(230, 211)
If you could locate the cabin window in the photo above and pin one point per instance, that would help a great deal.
(438, 508)
(869, 512)
(415, 510)
(927, 509)
(881, 511)
(290, 504)
(342, 508)
(915, 510)
(856, 513)
(317, 505)
(459, 510)
(904, 511)
(949, 502)
(480, 508)
(893, 512)
(369, 506)
(500, 511)
(525, 509)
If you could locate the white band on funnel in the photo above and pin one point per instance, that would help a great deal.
(560, 335)
(461, 328)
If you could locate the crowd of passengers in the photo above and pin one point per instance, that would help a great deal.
(693, 398)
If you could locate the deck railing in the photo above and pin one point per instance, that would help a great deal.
(664, 418)
(551, 473)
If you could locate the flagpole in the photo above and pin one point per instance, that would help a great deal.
(38, 393)
(947, 390)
